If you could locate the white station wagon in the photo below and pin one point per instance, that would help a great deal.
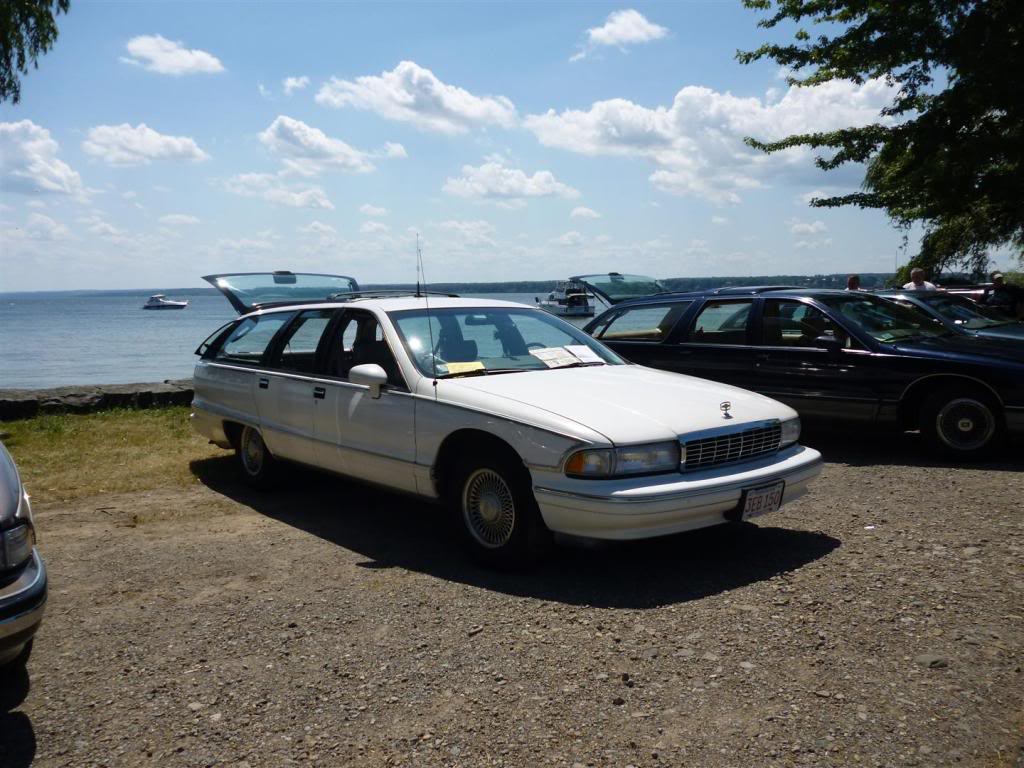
(519, 422)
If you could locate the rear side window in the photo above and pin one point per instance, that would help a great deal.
(644, 323)
(722, 322)
(251, 337)
(298, 352)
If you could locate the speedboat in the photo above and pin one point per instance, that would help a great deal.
(159, 301)
(570, 298)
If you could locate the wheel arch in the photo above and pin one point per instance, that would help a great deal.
(917, 392)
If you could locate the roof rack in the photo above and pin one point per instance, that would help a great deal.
(383, 294)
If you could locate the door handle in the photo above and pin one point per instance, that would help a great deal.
(264, 382)
(319, 393)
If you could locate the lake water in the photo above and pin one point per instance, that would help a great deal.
(60, 340)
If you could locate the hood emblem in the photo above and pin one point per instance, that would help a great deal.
(725, 407)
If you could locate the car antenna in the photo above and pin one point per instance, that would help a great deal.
(421, 276)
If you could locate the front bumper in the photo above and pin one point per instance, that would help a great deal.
(645, 507)
(22, 602)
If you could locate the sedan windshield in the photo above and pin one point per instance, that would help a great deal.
(882, 319)
(487, 340)
(963, 312)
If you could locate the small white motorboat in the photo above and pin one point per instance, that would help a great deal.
(569, 299)
(159, 301)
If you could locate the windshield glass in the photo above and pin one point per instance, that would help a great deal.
(616, 287)
(882, 319)
(486, 340)
(963, 311)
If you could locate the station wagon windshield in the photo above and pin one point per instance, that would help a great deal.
(884, 320)
(488, 340)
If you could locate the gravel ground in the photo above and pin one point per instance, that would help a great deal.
(878, 621)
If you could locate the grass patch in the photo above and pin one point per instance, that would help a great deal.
(70, 456)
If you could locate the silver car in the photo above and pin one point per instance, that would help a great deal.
(22, 574)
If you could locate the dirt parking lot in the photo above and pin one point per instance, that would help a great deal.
(878, 621)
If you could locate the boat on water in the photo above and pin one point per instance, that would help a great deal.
(570, 298)
(159, 301)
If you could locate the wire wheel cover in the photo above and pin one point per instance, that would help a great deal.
(252, 451)
(488, 508)
(965, 424)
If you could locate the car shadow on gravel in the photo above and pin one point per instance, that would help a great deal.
(17, 737)
(872, 447)
(391, 530)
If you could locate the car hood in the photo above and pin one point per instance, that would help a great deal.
(1007, 331)
(623, 403)
(965, 348)
(10, 488)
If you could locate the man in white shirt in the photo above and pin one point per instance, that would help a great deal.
(917, 281)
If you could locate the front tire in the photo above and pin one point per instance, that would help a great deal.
(961, 423)
(256, 465)
(495, 513)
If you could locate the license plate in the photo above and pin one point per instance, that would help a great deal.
(761, 501)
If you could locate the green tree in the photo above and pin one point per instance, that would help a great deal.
(27, 29)
(948, 151)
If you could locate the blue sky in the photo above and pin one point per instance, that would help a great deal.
(158, 142)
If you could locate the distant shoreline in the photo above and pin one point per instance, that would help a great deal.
(868, 280)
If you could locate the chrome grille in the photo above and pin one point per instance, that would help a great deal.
(705, 452)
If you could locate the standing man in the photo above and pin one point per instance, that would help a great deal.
(917, 281)
(853, 283)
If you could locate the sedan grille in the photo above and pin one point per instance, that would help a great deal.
(733, 446)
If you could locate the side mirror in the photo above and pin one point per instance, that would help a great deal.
(369, 375)
(829, 343)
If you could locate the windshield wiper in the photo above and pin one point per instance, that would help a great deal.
(578, 364)
(482, 372)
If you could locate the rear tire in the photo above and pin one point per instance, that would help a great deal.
(961, 423)
(494, 511)
(256, 465)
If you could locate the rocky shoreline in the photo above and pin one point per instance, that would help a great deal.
(26, 403)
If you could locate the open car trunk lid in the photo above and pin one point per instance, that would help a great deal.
(614, 287)
(248, 291)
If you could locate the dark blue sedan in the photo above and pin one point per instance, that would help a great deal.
(835, 355)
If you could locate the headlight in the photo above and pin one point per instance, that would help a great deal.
(790, 432)
(15, 546)
(628, 460)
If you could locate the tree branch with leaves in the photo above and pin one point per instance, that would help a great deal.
(948, 151)
(28, 28)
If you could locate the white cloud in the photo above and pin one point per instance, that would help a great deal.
(621, 28)
(411, 94)
(569, 239)
(372, 210)
(292, 84)
(696, 143)
(394, 150)
(470, 233)
(96, 225)
(370, 227)
(798, 227)
(719, 221)
(169, 57)
(582, 212)
(494, 181)
(29, 163)
(274, 189)
(243, 244)
(264, 91)
(308, 151)
(139, 145)
(812, 245)
(40, 227)
(318, 228)
(178, 219)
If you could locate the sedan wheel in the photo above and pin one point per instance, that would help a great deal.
(961, 423)
(257, 464)
(494, 510)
